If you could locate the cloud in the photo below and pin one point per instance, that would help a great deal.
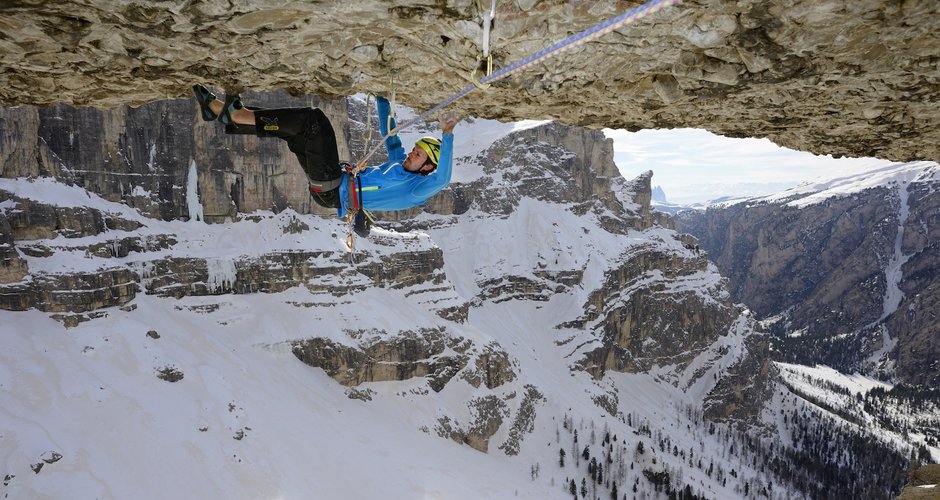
(695, 166)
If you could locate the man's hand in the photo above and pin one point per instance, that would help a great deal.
(448, 121)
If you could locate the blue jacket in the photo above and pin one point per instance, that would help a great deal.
(389, 186)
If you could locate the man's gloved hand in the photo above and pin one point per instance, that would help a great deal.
(448, 121)
(361, 224)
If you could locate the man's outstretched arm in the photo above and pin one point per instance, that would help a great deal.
(393, 144)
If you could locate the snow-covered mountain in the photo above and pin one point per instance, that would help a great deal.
(661, 204)
(532, 333)
(853, 261)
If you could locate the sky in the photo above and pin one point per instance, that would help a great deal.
(695, 166)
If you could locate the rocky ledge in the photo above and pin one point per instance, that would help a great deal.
(126, 257)
(857, 78)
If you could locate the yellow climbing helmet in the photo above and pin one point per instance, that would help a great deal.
(432, 147)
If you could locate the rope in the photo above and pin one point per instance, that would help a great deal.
(367, 135)
(588, 35)
(350, 237)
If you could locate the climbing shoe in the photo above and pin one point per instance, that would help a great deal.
(232, 103)
(204, 97)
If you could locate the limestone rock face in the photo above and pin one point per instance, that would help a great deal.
(799, 249)
(827, 271)
(551, 162)
(643, 322)
(33, 221)
(438, 357)
(404, 356)
(143, 156)
(855, 78)
(12, 266)
(78, 292)
(740, 394)
(921, 483)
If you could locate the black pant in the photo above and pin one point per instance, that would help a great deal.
(309, 135)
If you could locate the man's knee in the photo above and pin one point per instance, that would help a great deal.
(290, 122)
(318, 122)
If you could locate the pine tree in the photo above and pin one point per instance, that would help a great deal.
(561, 457)
(574, 450)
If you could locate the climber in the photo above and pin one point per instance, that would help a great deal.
(404, 181)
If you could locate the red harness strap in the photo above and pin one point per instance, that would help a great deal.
(353, 194)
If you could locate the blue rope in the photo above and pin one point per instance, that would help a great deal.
(541, 56)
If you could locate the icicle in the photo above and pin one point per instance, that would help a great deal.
(192, 194)
(153, 154)
(222, 274)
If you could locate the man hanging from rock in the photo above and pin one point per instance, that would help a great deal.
(404, 181)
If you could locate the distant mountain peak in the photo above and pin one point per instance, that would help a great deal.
(659, 194)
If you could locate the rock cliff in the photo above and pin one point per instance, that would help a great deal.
(850, 279)
(658, 303)
(921, 483)
(857, 78)
(143, 156)
(537, 289)
(538, 284)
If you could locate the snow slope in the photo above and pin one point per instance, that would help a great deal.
(826, 387)
(249, 420)
(899, 174)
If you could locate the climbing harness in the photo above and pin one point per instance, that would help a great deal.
(576, 40)
(358, 219)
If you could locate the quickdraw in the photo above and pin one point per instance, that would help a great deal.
(488, 17)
